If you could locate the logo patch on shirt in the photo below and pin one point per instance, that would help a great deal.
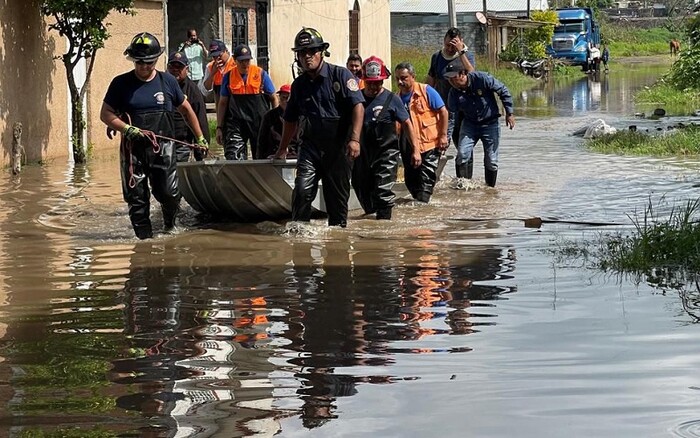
(479, 92)
(160, 98)
(352, 85)
(375, 111)
(336, 87)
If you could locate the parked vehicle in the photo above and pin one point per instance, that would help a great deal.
(537, 69)
(576, 33)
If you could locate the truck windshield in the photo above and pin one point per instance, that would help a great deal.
(570, 27)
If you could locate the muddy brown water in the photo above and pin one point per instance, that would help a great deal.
(427, 325)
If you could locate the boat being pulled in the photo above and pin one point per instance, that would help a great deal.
(252, 190)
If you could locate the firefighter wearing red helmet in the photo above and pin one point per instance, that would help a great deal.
(136, 102)
(326, 105)
(374, 171)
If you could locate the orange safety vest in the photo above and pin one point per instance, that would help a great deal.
(423, 119)
(218, 75)
(252, 84)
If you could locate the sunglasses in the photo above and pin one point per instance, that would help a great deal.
(307, 52)
(144, 62)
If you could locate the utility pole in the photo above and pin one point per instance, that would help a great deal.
(452, 13)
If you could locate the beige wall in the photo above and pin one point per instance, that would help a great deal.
(331, 19)
(33, 87)
(110, 62)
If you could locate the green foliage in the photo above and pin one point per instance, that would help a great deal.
(692, 30)
(536, 40)
(682, 142)
(632, 41)
(672, 98)
(73, 432)
(684, 72)
(82, 23)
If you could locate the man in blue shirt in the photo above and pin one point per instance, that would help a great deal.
(328, 98)
(473, 97)
(247, 93)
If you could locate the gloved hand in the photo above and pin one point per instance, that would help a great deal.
(132, 132)
(201, 141)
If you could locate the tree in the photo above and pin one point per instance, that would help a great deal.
(537, 39)
(82, 23)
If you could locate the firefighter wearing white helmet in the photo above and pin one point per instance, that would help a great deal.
(326, 104)
(138, 103)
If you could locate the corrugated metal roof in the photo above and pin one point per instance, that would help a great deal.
(463, 6)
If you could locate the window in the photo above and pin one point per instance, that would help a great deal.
(355, 28)
(239, 27)
(263, 57)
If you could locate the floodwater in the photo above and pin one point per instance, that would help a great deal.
(454, 319)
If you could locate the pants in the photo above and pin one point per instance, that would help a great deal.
(238, 134)
(421, 181)
(182, 153)
(139, 165)
(470, 133)
(333, 167)
(374, 176)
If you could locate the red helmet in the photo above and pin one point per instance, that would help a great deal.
(373, 69)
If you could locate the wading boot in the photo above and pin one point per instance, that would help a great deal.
(143, 231)
(384, 213)
(465, 170)
(169, 217)
(423, 197)
(490, 176)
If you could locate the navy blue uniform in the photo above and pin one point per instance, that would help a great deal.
(149, 106)
(374, 171)
(478, 109)
(323, 108)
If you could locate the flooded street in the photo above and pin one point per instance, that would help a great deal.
(452, 319)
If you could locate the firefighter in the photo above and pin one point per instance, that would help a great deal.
(139, 104)
(329, 99)
(374, 171)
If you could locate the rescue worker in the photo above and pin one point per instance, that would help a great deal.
(329, 99)
(221, 63)
(246, 95)
(474, 96)
(453, 47)
(429, 117)
(178, 66)
(145, 98)
(354, 64)
(374, 171)
(270, 135)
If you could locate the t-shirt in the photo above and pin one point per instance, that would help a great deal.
(395, 112)
(129, 94)
(434, 100)
(195, 54)
(267, 86)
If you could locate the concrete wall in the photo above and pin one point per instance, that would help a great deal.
(428, 31)
(110, 62)
(33, 87)
(331, 19)
(202, 15)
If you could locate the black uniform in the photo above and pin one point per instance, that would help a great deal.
(149, 106)
(374, 171)
(323, 107)
(182, 131)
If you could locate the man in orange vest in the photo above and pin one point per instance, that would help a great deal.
(222, 63)
(429, 120)
(247, 93)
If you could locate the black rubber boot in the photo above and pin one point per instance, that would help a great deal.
(465, 170)
(423, 197)
(384, 213)
(169, 216)
(490, 176)
(143, 232)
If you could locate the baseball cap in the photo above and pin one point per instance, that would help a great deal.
(216, 48)
(286, 88)
(178, 57)
(242, 52)
(453, 69)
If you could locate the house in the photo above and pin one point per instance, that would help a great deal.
(423, 23)
(33, 87)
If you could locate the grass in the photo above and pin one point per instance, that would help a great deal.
(680, 142)
(624, 41)
(420, 58)
(662, 93)
(665, 250)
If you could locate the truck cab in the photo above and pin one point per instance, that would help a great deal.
(576, 30)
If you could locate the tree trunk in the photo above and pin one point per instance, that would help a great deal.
(77, 129)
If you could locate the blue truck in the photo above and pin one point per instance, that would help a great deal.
(576, 30)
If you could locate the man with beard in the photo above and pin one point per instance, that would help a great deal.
(374, 171)
(178, 66)
(328, 98)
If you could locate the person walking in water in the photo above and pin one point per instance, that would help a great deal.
(474, 96)
(329, 99)
(139, 104)
(374, 171)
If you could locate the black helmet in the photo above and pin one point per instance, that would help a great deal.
(309, 38)
(144, 47)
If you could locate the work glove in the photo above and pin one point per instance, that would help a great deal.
(132, 132)
(202, 142)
